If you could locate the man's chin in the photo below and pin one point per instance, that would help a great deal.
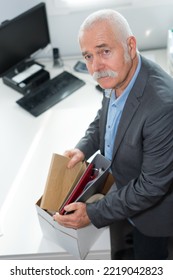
(105, 83)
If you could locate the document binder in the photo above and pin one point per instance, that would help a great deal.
(97, 185)
(89, 184)
(85, 178)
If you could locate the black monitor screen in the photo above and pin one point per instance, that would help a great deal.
(22, 36)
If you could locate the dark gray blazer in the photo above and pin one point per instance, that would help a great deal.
(142, 162)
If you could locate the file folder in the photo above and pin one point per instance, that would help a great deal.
(89, 184)
(66, 185)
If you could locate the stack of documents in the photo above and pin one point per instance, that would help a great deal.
(79, 183)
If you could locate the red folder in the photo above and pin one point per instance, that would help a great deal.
(78, 189)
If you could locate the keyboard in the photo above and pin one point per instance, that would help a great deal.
(50, 93)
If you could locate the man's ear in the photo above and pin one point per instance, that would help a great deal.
(131, 42)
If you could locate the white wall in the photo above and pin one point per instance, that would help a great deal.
(12, 8)
(149, 21)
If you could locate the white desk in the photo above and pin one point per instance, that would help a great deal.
(27, 144)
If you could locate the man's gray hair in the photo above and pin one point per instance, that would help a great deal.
(118, 23)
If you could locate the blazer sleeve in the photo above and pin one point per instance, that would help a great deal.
(154, 183)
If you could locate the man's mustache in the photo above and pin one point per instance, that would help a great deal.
(102, 74)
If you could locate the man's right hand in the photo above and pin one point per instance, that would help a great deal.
(75, 156)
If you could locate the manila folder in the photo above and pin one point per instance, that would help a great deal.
(60, 182)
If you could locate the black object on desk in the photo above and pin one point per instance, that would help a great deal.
(26, 76)
(80, 67)
(50, 93)
(57, 61)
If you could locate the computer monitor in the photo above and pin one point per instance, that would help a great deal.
(23, 36)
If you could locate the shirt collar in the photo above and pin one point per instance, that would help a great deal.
(108, 92)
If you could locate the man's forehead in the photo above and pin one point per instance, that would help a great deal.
(97, 47)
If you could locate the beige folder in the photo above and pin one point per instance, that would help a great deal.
(60, 182)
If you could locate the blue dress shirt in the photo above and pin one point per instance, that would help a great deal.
(115, 110)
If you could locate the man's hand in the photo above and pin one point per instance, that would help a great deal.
(75, 156)
(77, 219)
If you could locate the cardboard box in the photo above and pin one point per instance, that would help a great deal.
(77, 242)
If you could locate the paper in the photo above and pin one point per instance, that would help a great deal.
(60, 181)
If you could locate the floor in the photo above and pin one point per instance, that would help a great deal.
(122, 243)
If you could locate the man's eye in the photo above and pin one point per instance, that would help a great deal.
(88, 57)
(106, 52)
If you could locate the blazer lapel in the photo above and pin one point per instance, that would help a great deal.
(132, 104)
(126, 118)
(103, 120)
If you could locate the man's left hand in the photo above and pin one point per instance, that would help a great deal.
(77, 219)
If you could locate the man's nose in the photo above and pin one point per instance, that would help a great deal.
(97, 64)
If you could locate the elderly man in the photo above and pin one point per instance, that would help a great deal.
(134, 130)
